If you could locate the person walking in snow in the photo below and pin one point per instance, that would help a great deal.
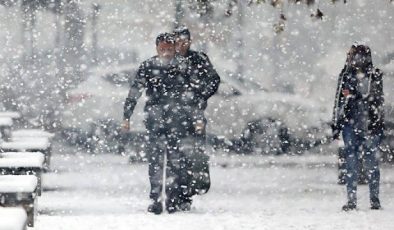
(359, 115)
(165, 87)
(204, 82)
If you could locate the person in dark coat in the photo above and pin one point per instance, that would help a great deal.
(165, 121)
(359, 115)
(198, 67)
(204, 82)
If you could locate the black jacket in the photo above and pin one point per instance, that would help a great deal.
(202, 76)
(161, 82)
(347, 110)
(184, 84)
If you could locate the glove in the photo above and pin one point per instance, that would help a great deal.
(199, 126)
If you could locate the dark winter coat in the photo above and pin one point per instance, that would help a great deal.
(151, 76)
(203, 77)
(351, 110)
(170, 89)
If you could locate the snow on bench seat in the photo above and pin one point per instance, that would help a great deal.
(18, 183)
(33, 133)
(23, 163)
(22, 159)
(10, 114)
(5, 122)
(39, 144)
(26, 144)
(12, 219)
(19, 190)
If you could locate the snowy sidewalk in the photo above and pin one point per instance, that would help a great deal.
(252, 192)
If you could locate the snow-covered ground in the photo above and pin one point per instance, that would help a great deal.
(248, 192)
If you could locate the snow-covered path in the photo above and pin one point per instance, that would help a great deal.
(251, 192)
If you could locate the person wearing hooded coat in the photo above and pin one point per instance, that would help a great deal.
(359, 115)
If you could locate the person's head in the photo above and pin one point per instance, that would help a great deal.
(182, 40)
(165, 47)
(359, 57)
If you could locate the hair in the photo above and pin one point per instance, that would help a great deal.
(182, 31)
(165, 37)
(359, 49)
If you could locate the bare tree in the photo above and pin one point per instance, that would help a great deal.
(73, 50)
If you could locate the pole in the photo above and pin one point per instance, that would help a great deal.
(96, 10)
(178, 13)
(28, 23)
(240, 41)
(163, 191)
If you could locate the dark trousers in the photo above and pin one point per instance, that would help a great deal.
(197, 178)
(361, 146)
(163, 141)
(171, 134)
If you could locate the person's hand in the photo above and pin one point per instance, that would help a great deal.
(125, 127)
(378, 75)
(199, 126)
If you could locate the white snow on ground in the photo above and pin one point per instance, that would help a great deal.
(248, 192)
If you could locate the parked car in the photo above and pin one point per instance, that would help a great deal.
(251, 119)
(387, 146)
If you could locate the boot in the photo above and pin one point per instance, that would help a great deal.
(349, 206)
(375, 204)
(179, 204)
(171, 207)
(186, 204)
(156, 208)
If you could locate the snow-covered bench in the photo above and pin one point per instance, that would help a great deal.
(19, 191)
(39, 144)
(13, 219)
(7, 118)
(23, 163)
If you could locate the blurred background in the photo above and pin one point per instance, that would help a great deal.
(65, 65)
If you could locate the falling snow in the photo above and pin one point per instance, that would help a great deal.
(67, 67)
